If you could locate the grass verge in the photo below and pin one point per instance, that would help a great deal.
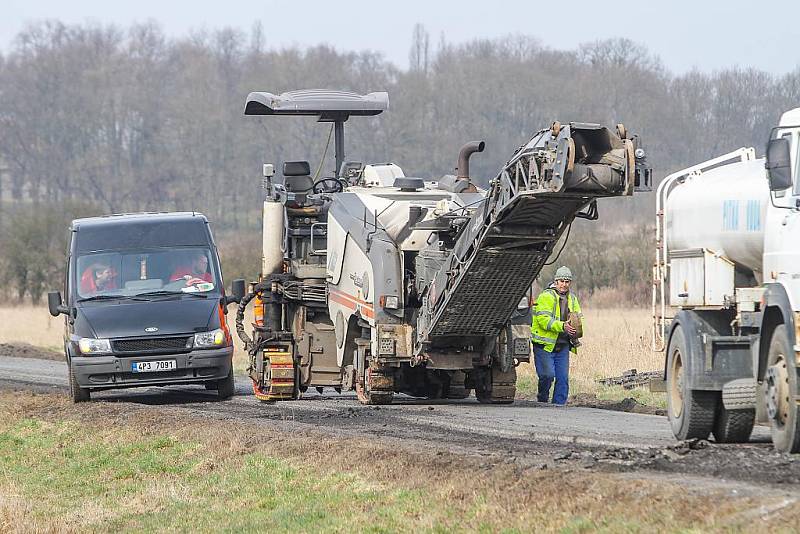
(123, 467)
(121, 481)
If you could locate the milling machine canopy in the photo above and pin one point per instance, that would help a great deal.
(329, 106)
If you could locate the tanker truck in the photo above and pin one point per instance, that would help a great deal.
(383, 283)
(726, 292)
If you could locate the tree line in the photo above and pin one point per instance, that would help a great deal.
(126, 119)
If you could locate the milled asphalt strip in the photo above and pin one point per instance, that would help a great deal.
(570, 426)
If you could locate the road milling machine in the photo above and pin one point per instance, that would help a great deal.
(384, 283)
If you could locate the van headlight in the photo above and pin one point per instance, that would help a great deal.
(214, 338)
(90, 345)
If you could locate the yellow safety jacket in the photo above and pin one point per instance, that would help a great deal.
(546, 318)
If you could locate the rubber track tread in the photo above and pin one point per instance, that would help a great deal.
(504, 388)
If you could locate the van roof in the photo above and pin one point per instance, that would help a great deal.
(140, 230)
(122, 219)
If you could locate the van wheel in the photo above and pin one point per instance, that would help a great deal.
(77, 393)
(227, 386)
(781, 385)
(690, 411)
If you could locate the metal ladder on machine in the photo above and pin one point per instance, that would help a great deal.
(661, 265)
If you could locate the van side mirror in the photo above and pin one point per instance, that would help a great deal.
(55, 304)
(237, 290)
(779, 167)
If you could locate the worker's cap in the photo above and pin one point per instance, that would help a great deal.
(563, 273)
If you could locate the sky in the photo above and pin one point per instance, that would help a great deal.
(685, 34)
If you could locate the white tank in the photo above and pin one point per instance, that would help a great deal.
(722, 210)
(272, 235)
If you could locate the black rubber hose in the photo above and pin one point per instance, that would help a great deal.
(564, 244)
(248, 343)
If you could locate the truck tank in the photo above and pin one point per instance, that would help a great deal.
(722, 210)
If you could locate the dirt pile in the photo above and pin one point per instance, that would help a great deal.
(627, 404)
(24, 350)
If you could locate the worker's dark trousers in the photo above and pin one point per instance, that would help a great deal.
(549, 366)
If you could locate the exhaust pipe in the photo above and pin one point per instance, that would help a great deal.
(464, 155)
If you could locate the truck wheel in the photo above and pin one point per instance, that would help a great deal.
(690, 412)
(77, 393)
(781, 384)
(227, 386)
(503, 387)
(375, 386)
(733, 426)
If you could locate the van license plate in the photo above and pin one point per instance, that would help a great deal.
(154, 366)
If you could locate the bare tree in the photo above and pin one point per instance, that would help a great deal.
(420, 47)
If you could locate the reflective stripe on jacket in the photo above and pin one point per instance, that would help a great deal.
(547, 323)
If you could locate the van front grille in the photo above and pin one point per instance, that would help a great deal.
(154, 344)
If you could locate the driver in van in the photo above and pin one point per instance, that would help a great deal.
(98, 277)
(194, 273)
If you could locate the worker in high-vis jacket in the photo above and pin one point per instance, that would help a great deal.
(557, 326)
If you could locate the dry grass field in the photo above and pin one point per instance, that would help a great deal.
(33, 325)
(616, 340)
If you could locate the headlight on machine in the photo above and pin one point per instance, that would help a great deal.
(390, 302)
(89, 345)
(214, 338)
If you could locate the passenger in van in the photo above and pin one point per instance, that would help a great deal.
(194, 273)
(98, 277)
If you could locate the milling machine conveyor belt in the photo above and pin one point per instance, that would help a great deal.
(502, 249)
(484, 289)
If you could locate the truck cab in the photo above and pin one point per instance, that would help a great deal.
(144, 305)
(781, 249)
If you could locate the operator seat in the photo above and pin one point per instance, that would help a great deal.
(298, 181)
(297, 176)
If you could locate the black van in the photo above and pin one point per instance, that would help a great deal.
(145, 304)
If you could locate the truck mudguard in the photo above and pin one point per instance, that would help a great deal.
(777, 310)
(713, 357)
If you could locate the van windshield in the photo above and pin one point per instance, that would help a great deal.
(148, 271)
